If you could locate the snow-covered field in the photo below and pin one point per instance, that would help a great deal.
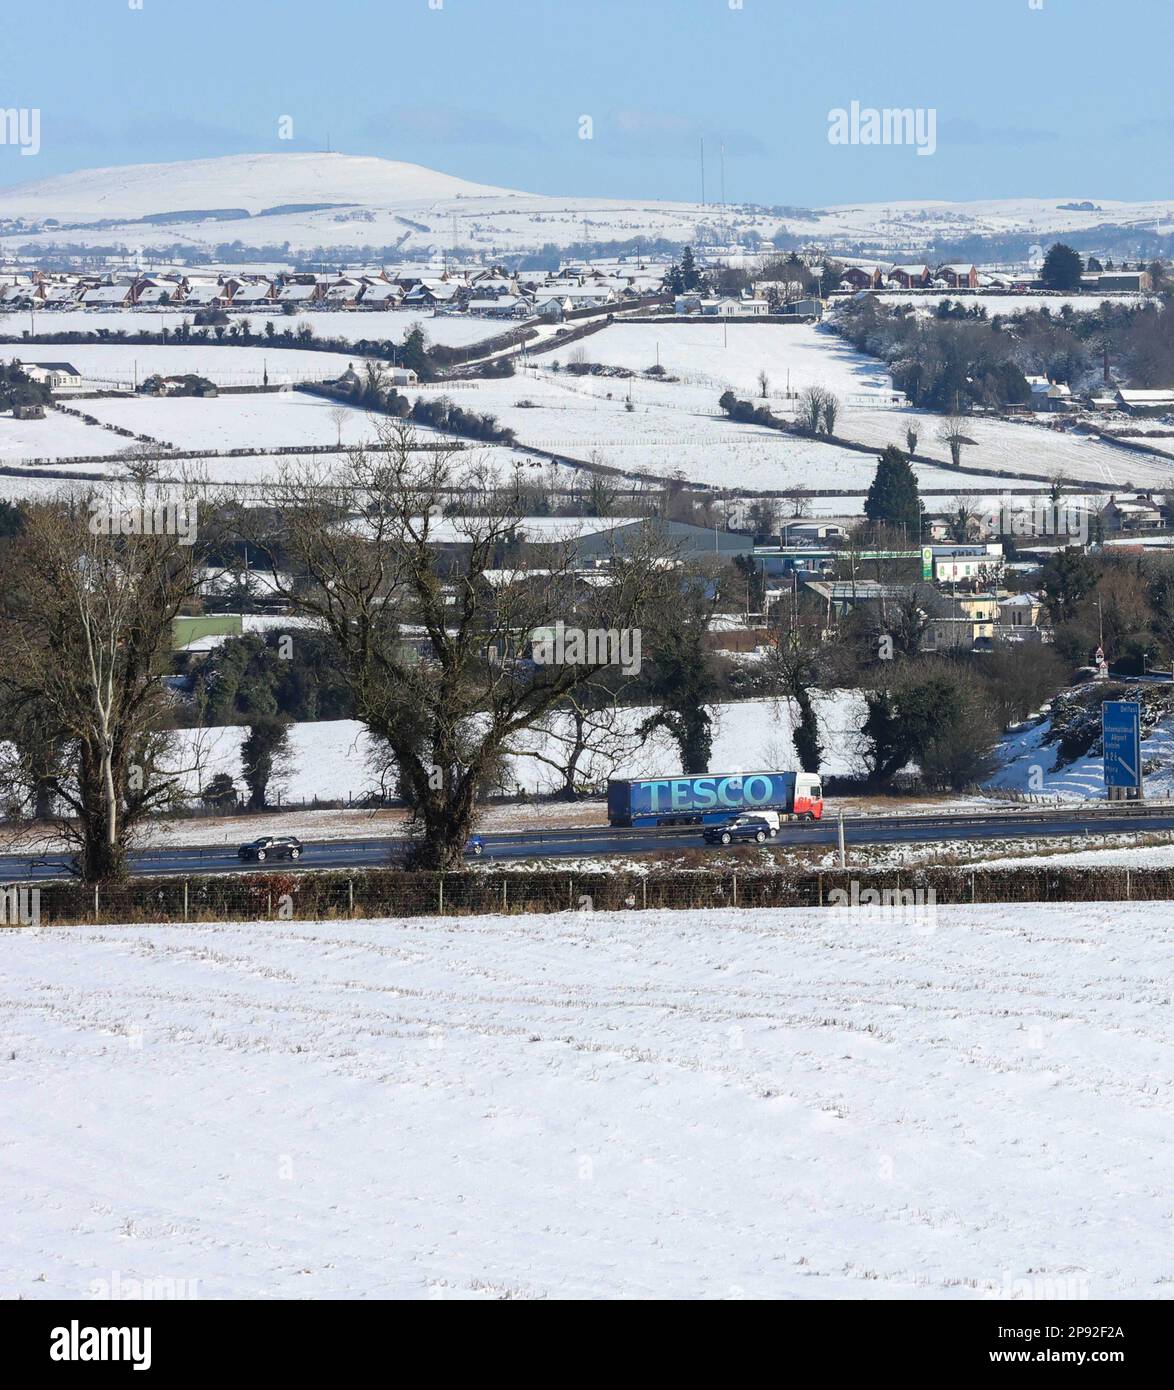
(1033, 449)
(124, 364)
(275, 420)
(449, 329)
(56, 436)
(716, 356)
(672, 430)
(971, 1103)
(709, 358)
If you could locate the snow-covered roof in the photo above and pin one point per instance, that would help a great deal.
(1145, 397)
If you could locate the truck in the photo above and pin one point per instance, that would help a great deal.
(715, 797)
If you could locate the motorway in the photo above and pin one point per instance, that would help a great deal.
(597, 842)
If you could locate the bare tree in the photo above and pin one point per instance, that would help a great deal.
(798, 501)
(953, 434)
(962, 522)
(86, 616)
(601, 496)
(831, 411)
(431, 627)
(763, 384)
(810, 408)
(912, 435)
(584, 741)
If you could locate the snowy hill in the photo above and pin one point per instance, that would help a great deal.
(324, 200)
(253, 182)
(1032, 759)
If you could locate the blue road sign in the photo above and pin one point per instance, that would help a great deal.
(1121, 728)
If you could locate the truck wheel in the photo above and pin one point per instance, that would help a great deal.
(807, 816)
(761, 837)
(725, 837)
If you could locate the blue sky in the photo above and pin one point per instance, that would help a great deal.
(1073, 98)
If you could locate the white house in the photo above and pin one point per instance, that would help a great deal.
(52, 374)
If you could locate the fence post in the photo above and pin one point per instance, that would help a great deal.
(503, 893)
(735, 890)
(1128, 884)
(972, 885)
(821, 890)
(350, 897)
(95, 902)
(185, 900)
(440, 896)
(644, 893)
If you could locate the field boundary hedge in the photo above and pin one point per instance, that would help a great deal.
(310, 895)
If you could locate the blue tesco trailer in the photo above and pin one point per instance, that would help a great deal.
(712, 798)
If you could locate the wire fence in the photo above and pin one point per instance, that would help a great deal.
(385, 893)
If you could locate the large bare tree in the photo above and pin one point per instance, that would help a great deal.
(433, 618)
(86, 615)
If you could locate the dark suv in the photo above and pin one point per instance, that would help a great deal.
(271, 847)
(740, 828)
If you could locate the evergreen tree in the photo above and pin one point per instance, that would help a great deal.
(265, 746)
(1062, 268)
(413, 353)
(683, 680)
(220, 792)
(806, 735)
(893, 499)
(1068, 577)
(690, 275)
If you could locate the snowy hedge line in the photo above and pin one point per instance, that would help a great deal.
(392, 893)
